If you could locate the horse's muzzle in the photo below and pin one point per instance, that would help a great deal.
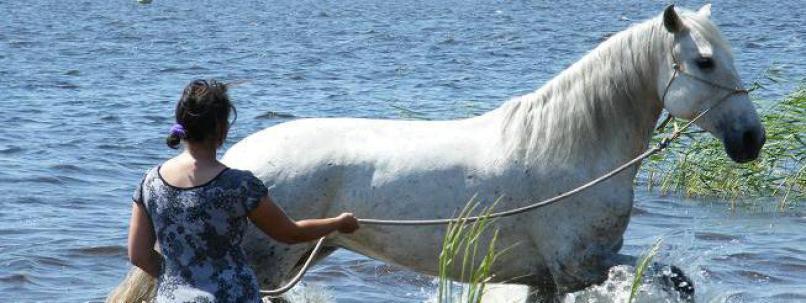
(745, 146)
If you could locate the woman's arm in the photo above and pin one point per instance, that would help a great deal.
(273, 221)
(141, 242)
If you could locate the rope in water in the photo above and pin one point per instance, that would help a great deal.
(298, 277)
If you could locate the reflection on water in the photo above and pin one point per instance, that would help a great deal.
(88, 88)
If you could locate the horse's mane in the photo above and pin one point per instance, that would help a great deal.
(598, 95)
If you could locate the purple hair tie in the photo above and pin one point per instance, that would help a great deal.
(177, 130)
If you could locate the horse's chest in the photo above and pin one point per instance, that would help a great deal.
(591, 223)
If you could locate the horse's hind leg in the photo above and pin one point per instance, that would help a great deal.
(323, 253)
(272, 262)
(275, 263)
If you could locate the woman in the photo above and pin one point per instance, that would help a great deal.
(196, 208)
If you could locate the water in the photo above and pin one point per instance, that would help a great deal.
(87, 90)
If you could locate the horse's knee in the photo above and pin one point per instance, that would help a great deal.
(543, 286)
(672, 279)
(578, 274)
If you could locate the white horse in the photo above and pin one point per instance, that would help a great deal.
(589, 119)
(592, 117)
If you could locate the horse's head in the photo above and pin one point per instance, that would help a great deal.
(697, 74)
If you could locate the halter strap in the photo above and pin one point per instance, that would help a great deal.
(678, 70)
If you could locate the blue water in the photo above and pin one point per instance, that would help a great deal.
(87, 90)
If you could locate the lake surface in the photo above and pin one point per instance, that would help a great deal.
(87, 90)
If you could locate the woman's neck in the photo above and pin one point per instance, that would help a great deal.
(202, 153)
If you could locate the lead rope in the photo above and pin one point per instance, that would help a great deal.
(663, 144)
(298, 277)
(660, 146)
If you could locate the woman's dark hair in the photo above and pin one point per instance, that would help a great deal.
(203, 110)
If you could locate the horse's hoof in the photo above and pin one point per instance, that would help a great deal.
(672, 278)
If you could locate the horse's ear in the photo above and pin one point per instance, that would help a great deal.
(671, 20)
(705, 11)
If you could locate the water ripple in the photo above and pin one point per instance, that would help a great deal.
(86, 105)
(17, 279)
(100, 251)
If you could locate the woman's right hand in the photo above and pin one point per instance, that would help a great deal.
(347, 223)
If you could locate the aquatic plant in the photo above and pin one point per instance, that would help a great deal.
(464, 238)
(640, 267)
(698, 166)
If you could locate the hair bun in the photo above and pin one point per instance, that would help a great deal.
(177, 130)
(173, 142)
(201, 112)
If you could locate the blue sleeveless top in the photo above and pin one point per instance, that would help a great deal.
(199, 231)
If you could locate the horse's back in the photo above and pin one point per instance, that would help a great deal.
(326, 159)
(309, 144)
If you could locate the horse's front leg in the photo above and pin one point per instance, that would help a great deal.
(544, 291)
(670, 277)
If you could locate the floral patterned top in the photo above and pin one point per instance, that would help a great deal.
(199, 230)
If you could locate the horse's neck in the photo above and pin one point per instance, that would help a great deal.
(600, 111)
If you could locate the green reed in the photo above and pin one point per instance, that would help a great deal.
(641, 267)
(699, 167)
(461, 249)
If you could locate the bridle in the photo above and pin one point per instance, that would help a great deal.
(678, 71)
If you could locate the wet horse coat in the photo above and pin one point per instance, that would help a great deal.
(594, 116)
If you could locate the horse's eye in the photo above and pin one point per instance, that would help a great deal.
(705, 62)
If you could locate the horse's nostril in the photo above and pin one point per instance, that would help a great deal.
(750, 138)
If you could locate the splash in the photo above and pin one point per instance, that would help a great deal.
(617, 289)
(309, 293)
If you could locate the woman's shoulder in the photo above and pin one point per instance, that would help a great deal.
(252, 187)
(241, 175)
(150, 173)
(144, 184)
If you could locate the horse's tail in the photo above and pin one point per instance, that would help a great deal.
(138, 286)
